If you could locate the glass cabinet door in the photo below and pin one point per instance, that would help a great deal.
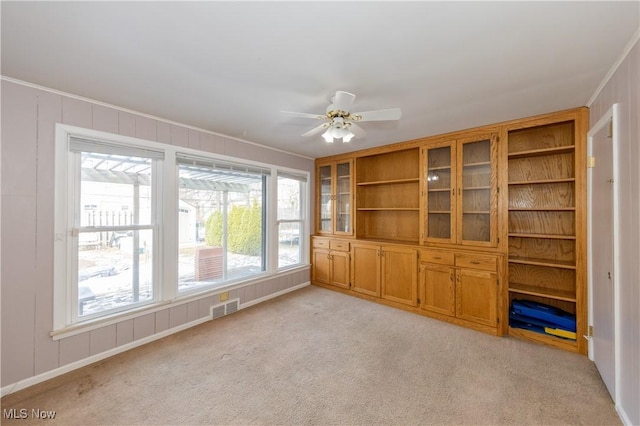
(335, 198)
(343, 198)
(440, 193)
(477, 202)
(325, 206)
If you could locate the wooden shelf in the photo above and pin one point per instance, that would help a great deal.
(475, 188)
(559, 342)
(439, 190)
(478, 164)
(365, 209)
(544, 236)
(544, 151)
(477, 212)
(542, 181)
(549, 293)
(382, 240)
(543, 209)
(543, 262)
(389, 182)
(439, 212)
(438, 168)
(545, 213)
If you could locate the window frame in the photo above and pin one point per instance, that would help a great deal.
(166, 245)
(214, 164)
(303, 180)
(75, 208)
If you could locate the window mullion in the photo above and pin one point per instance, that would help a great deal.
(167, 195)
(273, 230)
(75, 221)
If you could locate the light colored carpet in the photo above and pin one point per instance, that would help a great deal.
(316, 357)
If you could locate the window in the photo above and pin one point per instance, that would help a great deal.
(221, 224)
(139, 223)
(114, 229)
(291, 202)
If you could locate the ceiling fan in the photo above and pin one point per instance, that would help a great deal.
(340, 122)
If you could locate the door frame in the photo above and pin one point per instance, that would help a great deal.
(613, 116)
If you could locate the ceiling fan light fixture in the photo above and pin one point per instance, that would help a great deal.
(346, 138)
(328, 137)
(338, 130)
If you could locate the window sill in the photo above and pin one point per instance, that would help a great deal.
(96, 323)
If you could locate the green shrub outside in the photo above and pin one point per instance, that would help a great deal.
(244, 227)
(213, 230)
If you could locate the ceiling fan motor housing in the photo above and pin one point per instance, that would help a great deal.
(338, 122)
(333, 113)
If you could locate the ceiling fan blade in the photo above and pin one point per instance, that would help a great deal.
(379, 115)
(316, 129)
(304, 115)
(357, 130)
(342, 101)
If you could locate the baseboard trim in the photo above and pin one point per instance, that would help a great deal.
(623, 416)
(274, 295)
(34, 380)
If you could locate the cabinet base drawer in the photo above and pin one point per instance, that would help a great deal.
(477, 261)
(320, 243)
(339, 245)
(435, 256)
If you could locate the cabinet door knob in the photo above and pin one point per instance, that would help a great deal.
(437, 257)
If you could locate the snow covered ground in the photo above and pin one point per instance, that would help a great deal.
(106, 276)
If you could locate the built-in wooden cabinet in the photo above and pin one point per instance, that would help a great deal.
(366, 268)
(496, 213)
(476, 295)
(460, 285)
(331, 262)
(388, 196)
(386, 271)
(546, 165)
(460, 191)
(438, 282)
(399, 274)
(334, 189)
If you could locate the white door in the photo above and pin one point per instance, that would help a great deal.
(602, 255)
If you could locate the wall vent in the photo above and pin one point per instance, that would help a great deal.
(226, 308)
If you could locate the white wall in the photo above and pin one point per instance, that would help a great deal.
(623, 87)
(28, 118)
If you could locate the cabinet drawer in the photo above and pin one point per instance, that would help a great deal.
(434, 256)
(320, 243)
(476, 261)
(339, 245)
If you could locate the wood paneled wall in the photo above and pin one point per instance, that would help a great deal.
(27, 165)
(624, 88)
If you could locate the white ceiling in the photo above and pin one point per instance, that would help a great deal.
(230, 67)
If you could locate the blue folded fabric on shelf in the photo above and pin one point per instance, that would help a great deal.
(542, 315)
(527, 325)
